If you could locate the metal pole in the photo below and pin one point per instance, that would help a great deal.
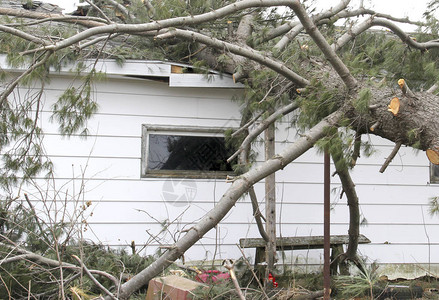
(326, 228)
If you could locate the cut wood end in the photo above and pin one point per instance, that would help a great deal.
(304, 47)
(176, 69)
(394, 106)
(433, 156)
(374, 126)
(401, 83)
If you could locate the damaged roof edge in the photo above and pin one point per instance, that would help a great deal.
(143, 69)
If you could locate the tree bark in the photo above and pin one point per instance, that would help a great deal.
(354, 212)
(414, 124)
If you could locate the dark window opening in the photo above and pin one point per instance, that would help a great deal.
(434, 173)
(190, 152)
(194, 153)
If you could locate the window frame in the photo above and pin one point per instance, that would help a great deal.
(433, 179)
(178, 130)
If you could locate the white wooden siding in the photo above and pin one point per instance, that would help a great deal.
(395, 204)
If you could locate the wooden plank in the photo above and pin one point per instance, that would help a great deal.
(300, 242)
(176, 69)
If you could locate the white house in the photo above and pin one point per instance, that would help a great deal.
(117, 175)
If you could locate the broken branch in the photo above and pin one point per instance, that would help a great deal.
(357, 147)
(405, 89)
(390, 157)
(257, 214)
(38, 259)
(375, 126)
(247, 125)
(432, 88)
(229, 265)
(97, 283)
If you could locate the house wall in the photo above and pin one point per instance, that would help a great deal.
(105, 169)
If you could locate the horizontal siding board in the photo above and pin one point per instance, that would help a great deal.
(130, 125)
(178, 102)
(365, 174)
(102, 168)
(96, 146)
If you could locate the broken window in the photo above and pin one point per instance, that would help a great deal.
(185, 152)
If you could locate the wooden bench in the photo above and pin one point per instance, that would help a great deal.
(301, 243)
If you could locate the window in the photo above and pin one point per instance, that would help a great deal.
(184, 152)
(434, 173)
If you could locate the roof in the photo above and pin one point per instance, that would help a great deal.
(38, 6)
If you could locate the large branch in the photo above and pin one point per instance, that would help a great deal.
(254, 55)
(366, 11)
(354, 211)
(25, 36)
(372, 21)
(167, 23)
(228, 200)
(257, 214)
(321, 42)
(242, 34)
(335, 13)
(26, 255)
(22, 13)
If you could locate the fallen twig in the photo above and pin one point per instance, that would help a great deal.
(229, 265)
(97, 283)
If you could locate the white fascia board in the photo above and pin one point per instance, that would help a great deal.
(202, 80)
(133, 68)
(110, 67)
(142, 68)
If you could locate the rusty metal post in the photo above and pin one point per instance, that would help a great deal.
(326, 227)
